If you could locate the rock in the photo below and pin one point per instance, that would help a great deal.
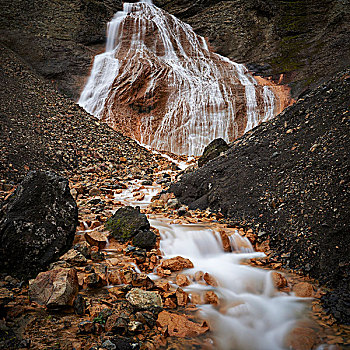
(5, 297)
(180, 326)
(172, 203)
(96, 238)
(94, 192)
(55, 288)
(301, 338)
(145, 239)
(79, 305)
(74, 257)
(278, 280)
(303, 289)
(144, 300)
(212, 151)
(109, 345)
(37, 224)
(210, 279)
(116, 324)
(84, 248)
(211, 298)
(93, 280)
(86, 327)
(135, 326)
(142, 280)
(182, 280)
(181, 297)
(126, 223)
(176, 264)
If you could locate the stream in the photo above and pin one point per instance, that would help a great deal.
(251, 313)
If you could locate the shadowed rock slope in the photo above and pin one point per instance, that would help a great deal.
(57, 38)
(42, 130)
(289, 179)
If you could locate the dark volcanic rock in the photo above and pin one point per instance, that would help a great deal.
(289, 178)
(212, 151)
(126, 223)
(145, 239)
(37, 224)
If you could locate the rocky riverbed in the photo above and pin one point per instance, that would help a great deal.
(103, 295)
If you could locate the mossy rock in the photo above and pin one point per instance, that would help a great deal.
(145, 240)
(126, 223)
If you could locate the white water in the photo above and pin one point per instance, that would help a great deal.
(252, 314)
(207, 93)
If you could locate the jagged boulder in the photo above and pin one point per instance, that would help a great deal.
(128, 223)
(212, 151)
(37, 224)
(56, 288)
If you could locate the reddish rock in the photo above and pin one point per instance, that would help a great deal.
(278, 280)
(177, 264)
(198, 276)
(225, 241)
(303, 289)
(96, 238)
(211, 298)
(181, 297)
(179, 325)
(169, 304)
(182, 280)
(210, 280)
(301, 338)
(55, 288)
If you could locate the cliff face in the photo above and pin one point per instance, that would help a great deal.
(301, 42)
(57, 38)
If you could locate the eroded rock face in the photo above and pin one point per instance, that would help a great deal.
(37, 224)
(160, 83)
(55, 288)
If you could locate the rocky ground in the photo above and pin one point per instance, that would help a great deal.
(288, 179)
(79, 312)
(43, 130)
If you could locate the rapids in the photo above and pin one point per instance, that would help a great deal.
(252, 314)
(160, 83)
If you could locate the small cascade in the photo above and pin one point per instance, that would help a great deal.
(252, 315)
(159, 83)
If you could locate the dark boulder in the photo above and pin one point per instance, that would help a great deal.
(145, 239)
(126, 223)
(37, 224)
(212, 151)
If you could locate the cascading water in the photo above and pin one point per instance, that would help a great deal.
(251, 315)
(159, 83)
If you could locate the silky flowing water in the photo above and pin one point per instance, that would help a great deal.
(160, 83)
(252, 314)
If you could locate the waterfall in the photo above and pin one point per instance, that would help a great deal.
(159, 82)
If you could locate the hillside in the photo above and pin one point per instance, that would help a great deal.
(41, 129)
(289, 180)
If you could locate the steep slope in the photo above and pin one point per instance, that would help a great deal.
(41, 129)
(289, 180)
